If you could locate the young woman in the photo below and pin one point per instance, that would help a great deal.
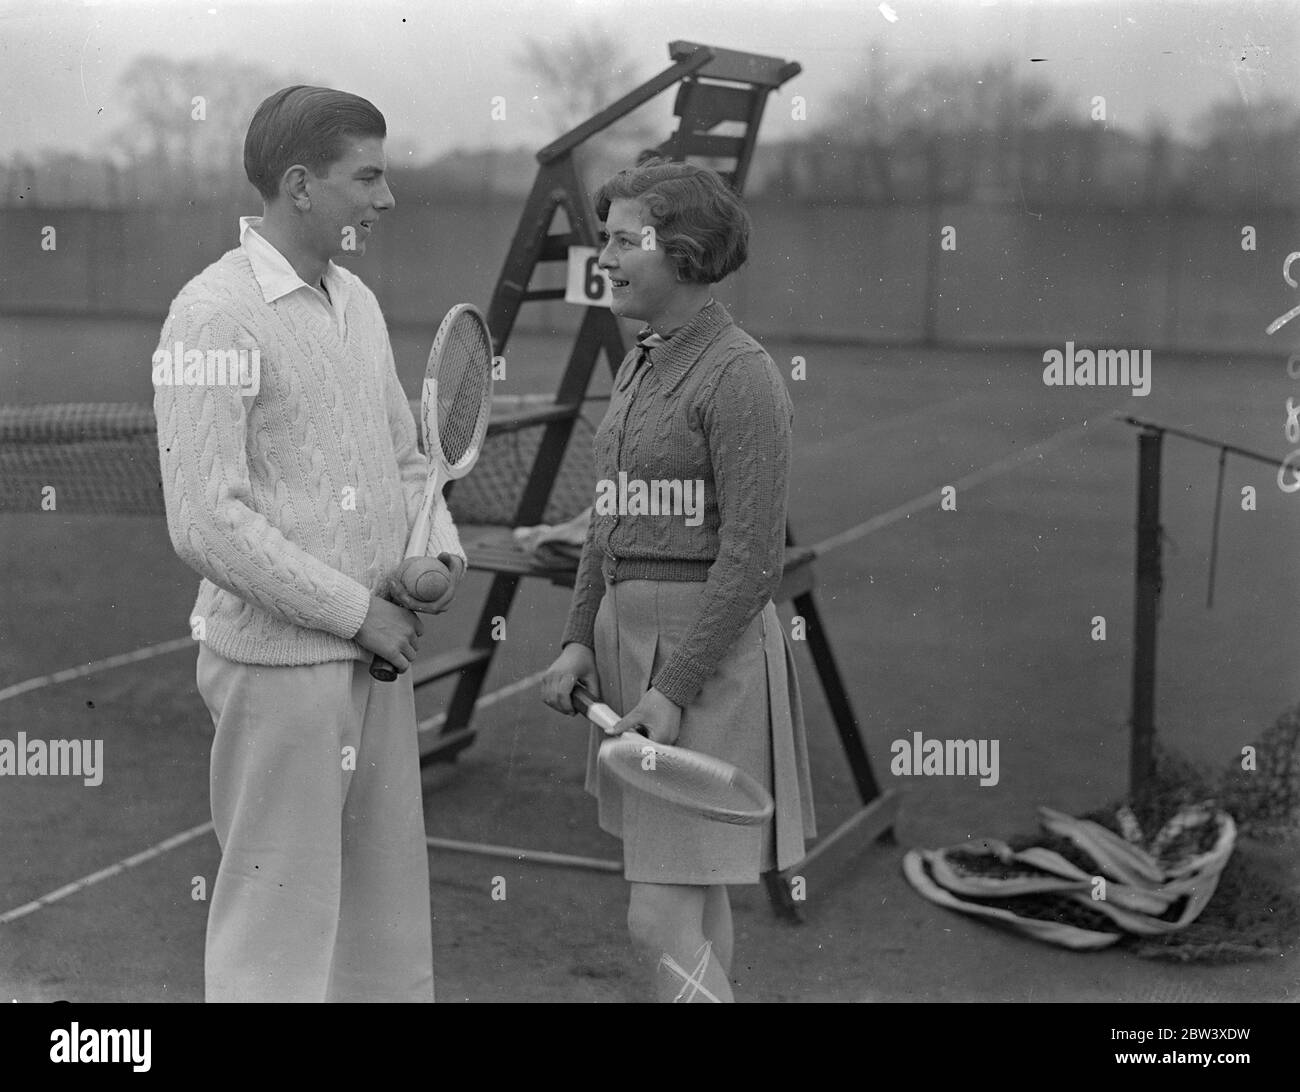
(672, 620)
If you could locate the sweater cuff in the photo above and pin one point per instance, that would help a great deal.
(346, 611)
(680, 680)
(580, 629)
(580, 626)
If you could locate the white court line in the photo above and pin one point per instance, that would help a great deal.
(486, 700)
(104, 873)
(994, 469)
(976, 477)
(195, 832)
(536, 856)
(68, 674)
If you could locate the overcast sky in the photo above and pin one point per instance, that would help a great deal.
(434, 66)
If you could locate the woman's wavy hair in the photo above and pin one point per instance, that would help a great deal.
(699, 221)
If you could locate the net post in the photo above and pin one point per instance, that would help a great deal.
(1145, 612)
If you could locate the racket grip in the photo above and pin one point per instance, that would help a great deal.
(597, 712)
(382, 670)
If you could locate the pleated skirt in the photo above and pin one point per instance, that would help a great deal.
(748, 713)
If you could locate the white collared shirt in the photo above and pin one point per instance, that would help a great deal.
(277, 278)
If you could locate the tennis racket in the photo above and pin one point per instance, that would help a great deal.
(455, 404)
(698, 782)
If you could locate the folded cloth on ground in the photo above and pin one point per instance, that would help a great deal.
(1093, 889)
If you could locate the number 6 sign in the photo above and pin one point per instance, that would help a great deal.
(587, 286)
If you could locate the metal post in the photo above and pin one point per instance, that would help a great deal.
(1146, 605)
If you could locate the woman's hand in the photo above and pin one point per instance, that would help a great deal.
(577, 663)
(661, 718)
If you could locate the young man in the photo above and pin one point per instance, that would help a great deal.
(292, 478)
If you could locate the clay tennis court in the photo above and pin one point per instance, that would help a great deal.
(970, 623)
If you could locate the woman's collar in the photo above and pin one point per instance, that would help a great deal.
(673, 359)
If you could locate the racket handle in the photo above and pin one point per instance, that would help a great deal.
(380, 668)
(597, 712)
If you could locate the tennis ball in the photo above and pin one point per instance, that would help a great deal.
(426, 579)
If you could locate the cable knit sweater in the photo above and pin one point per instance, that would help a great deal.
(294, 503)
(709, 406)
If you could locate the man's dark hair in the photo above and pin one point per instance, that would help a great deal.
(306, 125)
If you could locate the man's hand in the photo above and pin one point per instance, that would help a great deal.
(457, 569)
(397, 585)
(390, 631)
(661, 718)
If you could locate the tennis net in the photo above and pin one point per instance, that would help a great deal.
(102, 459)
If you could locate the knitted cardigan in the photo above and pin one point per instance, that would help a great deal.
(710, 406)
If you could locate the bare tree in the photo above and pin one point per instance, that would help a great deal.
(886, 102)
(578, 76)
(188, 118)
(965, 120)
(1248, 151)
(1270, 117)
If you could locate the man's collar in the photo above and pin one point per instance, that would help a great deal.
(275, 275)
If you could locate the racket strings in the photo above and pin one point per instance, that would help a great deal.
(687, 778)
(464, 377)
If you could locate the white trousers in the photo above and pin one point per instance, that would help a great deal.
(323, 889)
